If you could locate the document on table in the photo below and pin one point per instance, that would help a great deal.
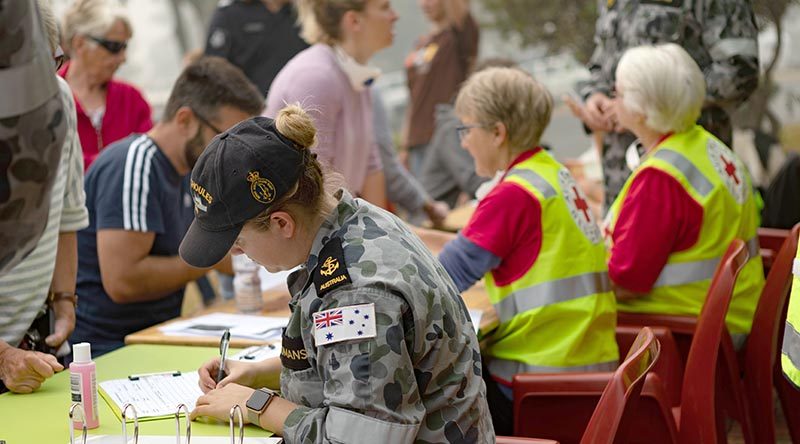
(241, 326)
(153, 396)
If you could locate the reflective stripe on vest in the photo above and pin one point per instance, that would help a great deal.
(535, 180)
(696, 271)
(796, 267)
(791, 345)
(696, 178)
(505, 369)
(551, 292)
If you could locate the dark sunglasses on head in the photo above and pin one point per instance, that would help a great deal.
(112, 46)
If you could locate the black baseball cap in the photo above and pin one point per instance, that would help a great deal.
(239, 175)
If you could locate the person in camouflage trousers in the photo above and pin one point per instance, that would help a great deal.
(379, 346)
(720, 35)
(32, 130)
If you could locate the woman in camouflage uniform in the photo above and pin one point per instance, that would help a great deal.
(379, 346)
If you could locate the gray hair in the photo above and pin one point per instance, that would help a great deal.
(510, 96)
(664, 84)
(93, 17)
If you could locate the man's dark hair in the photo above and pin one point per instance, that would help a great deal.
(209, 83)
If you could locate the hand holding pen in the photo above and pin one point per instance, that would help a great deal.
(224, 343)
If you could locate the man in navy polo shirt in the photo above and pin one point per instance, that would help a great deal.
(129, 275)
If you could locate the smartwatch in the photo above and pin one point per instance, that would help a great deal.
(257, 403)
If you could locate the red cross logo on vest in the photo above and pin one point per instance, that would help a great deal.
(578, 207)
(581, 204)
(730, 168)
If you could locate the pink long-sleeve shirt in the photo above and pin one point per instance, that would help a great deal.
(343, 116)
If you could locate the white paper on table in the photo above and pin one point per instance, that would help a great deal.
(154, 395)
(476, 316)
(241, 326)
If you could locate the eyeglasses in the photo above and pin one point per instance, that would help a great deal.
(463, 130)
(59, 57)
(205, 122)
(112, 46)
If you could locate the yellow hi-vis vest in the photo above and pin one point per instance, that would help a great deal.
(717, 180)
(561, 314)
(790, 353)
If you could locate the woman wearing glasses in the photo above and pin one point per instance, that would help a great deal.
(96, 34)
(534, 241)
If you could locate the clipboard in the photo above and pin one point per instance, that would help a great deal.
(236, 435)
(154, 394)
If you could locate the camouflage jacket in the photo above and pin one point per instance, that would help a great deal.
(418, 379)
(719, 34)
(32, 130)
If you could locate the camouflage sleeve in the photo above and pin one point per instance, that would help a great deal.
(729, 36)
(598, 81)
(369, 385)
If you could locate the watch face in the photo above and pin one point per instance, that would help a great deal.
(258, 400)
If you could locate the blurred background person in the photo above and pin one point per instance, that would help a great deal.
(258, 36)
(130, 276)
(448, 172)
(331, 79)
(533, 240)
(96, 34)
(31, 107)
(37, 296)
(684, 204)
(441, 60)
(720, 35)
(402, 188)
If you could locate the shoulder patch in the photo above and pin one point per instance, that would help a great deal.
(344, 324)
(293, 354)
(331, 271)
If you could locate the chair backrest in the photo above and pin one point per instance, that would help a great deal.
(608, 424)
(763, 351)
(697, 419)
(770, 241)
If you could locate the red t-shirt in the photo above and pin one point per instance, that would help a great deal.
(658, 217)
(126, 112)
(508, 224)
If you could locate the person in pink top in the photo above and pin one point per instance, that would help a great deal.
(96, 34)
(332, 79)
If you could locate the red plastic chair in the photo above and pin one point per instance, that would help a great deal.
(555, 405)
(518, 440)
(770, 241)
(697, 419)
(762, 352)
(560, 406)
(611, 419)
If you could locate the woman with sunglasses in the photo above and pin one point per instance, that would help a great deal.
(534, 241)
(96, 34)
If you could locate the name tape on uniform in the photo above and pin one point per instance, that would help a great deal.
(344, 324)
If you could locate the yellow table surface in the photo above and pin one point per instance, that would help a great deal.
(42, 417)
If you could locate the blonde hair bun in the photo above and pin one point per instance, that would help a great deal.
(295, 123)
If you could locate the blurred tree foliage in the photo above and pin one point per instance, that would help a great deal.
(559, 25)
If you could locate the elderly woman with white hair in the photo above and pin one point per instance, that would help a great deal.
(96, 34)
(687, 200)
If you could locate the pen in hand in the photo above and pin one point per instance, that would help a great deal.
(223, 351)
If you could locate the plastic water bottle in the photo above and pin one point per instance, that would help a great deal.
(246, 285)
